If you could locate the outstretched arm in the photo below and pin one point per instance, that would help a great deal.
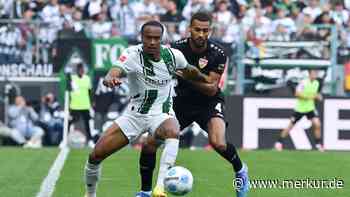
(113, 76)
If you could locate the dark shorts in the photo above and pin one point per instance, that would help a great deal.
(187, 114)
(309, 115)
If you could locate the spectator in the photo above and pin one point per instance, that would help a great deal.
(52, 23)
(6, 8)
(125, 17)
(313, 9)
(51, 119)
(10, 44)
(172, 18)
(222, 15)
(172, 14)
(193, 6)
(145, 10)
(92, 8)
(339, 14)
(23, 118)
(101, 27)
(283, 25)
(260, 28)
(27, 34)
(324, 19)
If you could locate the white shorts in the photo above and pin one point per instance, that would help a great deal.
(134, 124)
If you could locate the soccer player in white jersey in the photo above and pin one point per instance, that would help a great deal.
(150, 69)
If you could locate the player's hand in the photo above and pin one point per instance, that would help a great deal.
(189, 73)
(319, 97)
(111, 82)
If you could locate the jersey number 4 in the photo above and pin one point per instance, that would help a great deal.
(218, 107)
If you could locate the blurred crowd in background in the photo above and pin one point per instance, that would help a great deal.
(253, 20)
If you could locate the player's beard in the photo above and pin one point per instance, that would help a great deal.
(199, 42)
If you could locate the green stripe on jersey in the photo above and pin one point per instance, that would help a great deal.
(169, 60)
(148, 100)
(148, 69)
(167, 104)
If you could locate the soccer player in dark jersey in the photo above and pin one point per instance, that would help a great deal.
(198, 102)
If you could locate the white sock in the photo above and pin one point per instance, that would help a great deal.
(92, 175)
(167, 159)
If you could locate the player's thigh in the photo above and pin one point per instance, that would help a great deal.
(164, 126)
(112, 140)
(216, 132)
(184, 115)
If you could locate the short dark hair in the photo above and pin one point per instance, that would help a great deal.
(201, 16)
(80, 66)
(152, 23)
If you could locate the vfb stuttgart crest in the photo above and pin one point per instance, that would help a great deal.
(202, 62)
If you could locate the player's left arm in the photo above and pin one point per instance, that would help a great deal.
(209, 88)
(192, 73)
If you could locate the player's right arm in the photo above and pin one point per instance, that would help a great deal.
(113, 76)
(123, 65)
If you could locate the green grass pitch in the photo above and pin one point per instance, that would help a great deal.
(22, 172)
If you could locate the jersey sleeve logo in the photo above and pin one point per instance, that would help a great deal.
(202, 62)
(122, 58)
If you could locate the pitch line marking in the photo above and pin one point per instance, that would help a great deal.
(48, 185)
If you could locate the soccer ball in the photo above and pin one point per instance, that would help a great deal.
(178, 181)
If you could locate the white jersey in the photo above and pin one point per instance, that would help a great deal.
(151, 83)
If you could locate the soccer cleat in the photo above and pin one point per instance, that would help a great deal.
(159, 192)
(278, 146)
(142, 194)
(320, 147)
(242, 182)
(89, 195)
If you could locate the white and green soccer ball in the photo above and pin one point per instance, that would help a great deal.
(178, 181)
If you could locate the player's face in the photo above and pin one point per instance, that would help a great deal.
(313, 74)
(151, 39)
(200, 33)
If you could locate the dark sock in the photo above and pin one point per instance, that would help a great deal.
(280, 139)
(231, 155)
(318, 141)
(147, 164)
(92, 161)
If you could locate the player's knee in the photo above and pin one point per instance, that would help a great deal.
(148, 148)
(217, 145)
(172, 133)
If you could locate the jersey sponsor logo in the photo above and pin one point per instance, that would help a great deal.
(155, 82)
(202, 62)
(122, 58)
